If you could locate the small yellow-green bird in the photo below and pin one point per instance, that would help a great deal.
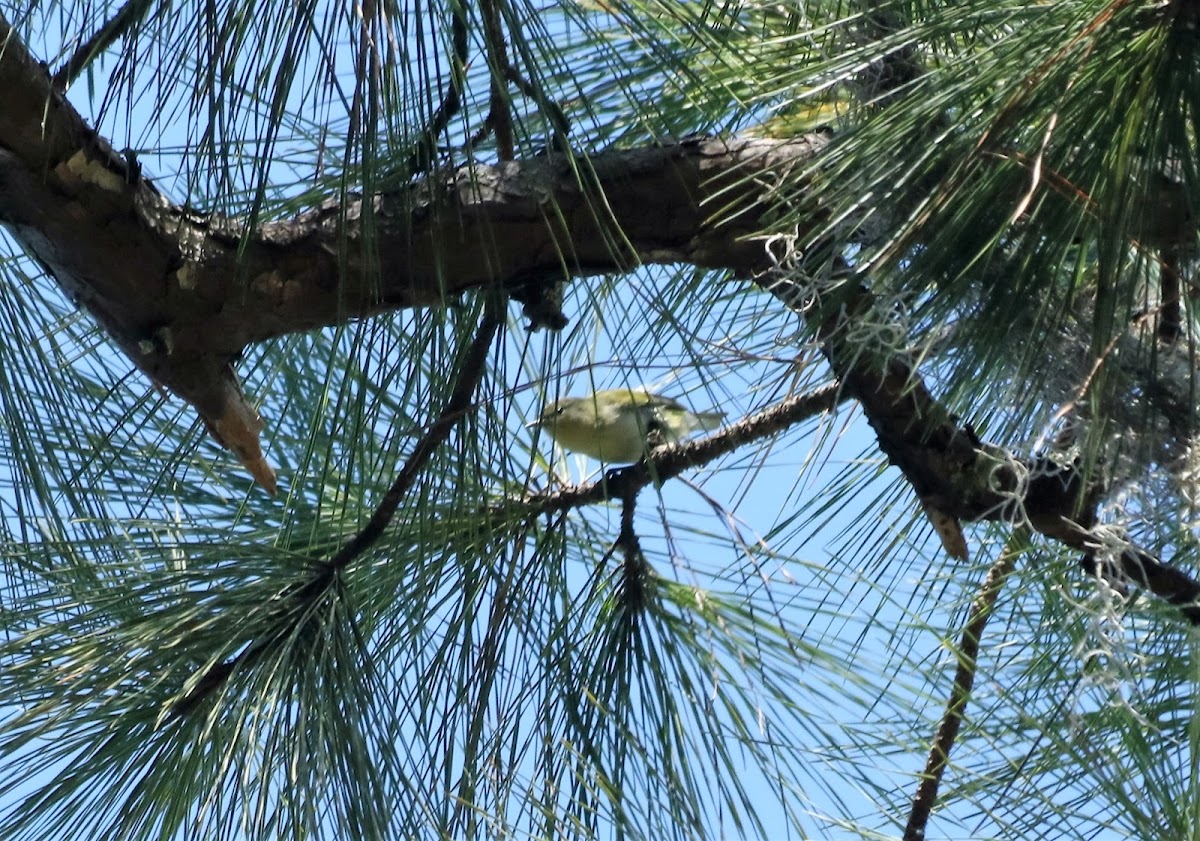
(613, 425)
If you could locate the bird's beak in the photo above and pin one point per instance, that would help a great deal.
(534, 424)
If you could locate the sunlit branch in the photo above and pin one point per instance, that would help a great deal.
(964, 680)
(183, 294)
(667, 462)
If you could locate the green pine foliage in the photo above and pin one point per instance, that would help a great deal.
(1012, 182)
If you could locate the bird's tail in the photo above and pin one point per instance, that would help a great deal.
(708, 421)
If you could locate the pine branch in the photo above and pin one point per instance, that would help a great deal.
(114, 243)
(664, 463)
(964, 680)
(424, 155)
(499, 114)
(126, 18)
(184, 294)
(470, 372)
(951, 469)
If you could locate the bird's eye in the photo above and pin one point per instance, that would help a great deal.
(559, 410)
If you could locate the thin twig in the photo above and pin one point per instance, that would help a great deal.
(636, 587)
(558, 118)
(362, 77)
(499, 115)
(470, 373)
(471, 369)
(964, 680)
(283, 605)
(125, 19)
(663, 463)
(422, 157)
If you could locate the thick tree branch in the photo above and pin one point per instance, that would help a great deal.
(183, 293)
(954, 472)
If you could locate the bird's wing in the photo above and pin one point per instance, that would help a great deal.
(649, 399)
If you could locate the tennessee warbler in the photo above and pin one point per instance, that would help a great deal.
(613, 425)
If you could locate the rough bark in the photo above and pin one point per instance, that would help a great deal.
(184, 293)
